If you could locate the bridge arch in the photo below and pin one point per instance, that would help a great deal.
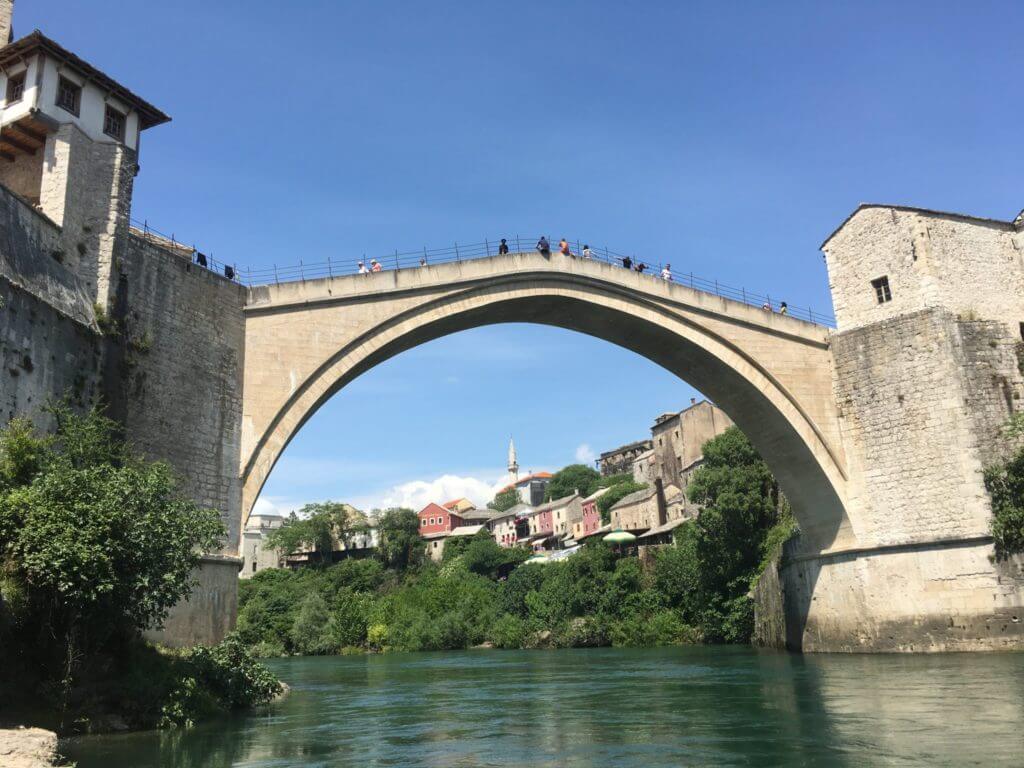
(770, 374)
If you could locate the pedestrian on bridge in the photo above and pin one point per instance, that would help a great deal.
(666, 273)
(587, 253)
(375, 266)
(783, 308)
(543, 247)
(503, 248)
(640, 267)
(627, 262)
(563, 247)
(362, 269)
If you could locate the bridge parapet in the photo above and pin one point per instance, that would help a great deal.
(443, 277)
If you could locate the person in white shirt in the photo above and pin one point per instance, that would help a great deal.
(586, 252)
(362, 269)
(666, 273)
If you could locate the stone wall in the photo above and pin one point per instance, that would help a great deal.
(87, 188)
(972, 267)
(180, 384)
(49, 343)
(937, 596)
(922, 398)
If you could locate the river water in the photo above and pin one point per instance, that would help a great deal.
(648, 708)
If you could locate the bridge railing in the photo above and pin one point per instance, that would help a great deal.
(414, 259)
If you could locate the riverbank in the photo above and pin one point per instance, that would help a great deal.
(28, 748)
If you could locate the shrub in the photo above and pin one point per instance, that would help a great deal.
(310, 633)
(1005, 485)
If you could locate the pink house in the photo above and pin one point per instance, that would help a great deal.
(591, 514)
(436, 519)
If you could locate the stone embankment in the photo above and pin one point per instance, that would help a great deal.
(28, 748)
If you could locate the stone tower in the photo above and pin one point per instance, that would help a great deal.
(513, 465)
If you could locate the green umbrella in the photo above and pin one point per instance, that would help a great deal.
(618, 536)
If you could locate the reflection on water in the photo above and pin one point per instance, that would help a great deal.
(610, 707)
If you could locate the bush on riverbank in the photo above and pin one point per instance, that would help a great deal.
(96, 545)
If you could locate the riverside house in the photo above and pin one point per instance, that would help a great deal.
(590, 520)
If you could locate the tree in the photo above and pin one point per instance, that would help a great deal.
(400, 545)
(317, 526)
(311, 631)
(97, 542)
(575, 478)
(1005, 484)
(614, 495)
(740, 506)
(505, 500)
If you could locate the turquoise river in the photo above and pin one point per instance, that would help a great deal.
(713, 706)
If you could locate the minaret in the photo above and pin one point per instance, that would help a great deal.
(513, 465)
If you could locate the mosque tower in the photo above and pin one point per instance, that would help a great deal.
(513, 465)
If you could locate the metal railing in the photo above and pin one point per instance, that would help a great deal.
(458, 252)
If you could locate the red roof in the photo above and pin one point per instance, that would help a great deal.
(454, 502)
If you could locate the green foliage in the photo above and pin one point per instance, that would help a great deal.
(96, 545)
(1005, 484)
(22, 454)
(708, 574)
(575, 478)
(216, 679)
(506, 499)
(316, 527)
(616, 494)
(482, 555)
(400, 544)
(310, 632)
(613, 480)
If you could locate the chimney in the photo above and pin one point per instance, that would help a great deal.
(6, 27)
(659, 489)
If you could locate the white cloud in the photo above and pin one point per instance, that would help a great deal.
(416, 494)
(585, 455)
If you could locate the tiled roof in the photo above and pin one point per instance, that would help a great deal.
(634, 497)
(556, 504)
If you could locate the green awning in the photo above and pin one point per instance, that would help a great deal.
(619, 537)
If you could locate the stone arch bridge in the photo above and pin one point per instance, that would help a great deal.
(771, 373)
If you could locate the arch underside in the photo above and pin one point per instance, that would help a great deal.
(795, 448)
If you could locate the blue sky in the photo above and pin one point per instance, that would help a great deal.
(731, 138)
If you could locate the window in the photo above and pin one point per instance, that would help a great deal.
(113, 123)
(15, 87)
(423, 522)
(69, 95)
(882, 292)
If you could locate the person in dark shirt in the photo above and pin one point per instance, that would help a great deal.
(640, 266)
(503, 248)
(543, 247)
(627, 262)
